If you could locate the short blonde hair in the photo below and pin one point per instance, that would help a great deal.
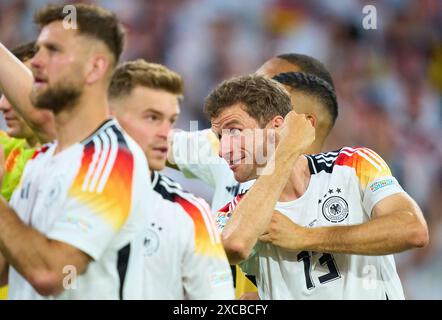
(131, 74)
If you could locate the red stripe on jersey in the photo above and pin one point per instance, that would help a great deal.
(41, 150)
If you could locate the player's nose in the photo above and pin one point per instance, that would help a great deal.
(223, 146)
(37, 60)
(226, 147)
(4, 104)
(165, 129)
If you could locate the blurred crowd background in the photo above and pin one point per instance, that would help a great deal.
(388, 80)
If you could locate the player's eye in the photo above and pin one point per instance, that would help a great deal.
(152, 118)
(235, 131)
(52, 48)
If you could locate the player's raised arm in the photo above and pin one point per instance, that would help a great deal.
(16, 83)
(195, 154)
(239, 234)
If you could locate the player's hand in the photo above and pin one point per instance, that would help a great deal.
(284, 233)
(296, 134)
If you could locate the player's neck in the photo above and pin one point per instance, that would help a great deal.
(298, 181)
(315, 148)
(80, 121)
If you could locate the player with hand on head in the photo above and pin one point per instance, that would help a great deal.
(196, 153)
(319, 221)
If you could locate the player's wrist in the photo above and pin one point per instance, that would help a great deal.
(286, 155)
(309, 239)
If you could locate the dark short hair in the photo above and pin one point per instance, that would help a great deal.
(308, 64)
(314, 86)
(25, 51)
(262, 98)
(92, 21)
(141, 73)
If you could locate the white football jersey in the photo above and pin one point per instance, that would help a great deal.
(94, 196)
(196, 155)
(183, 255)
(344, 187)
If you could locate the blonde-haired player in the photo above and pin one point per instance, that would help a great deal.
(181, 249)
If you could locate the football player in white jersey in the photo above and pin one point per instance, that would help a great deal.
(182, 253)
(324, 226)
(82, 198)
(196, 153)
(196, 242)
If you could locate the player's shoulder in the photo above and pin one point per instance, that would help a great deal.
(108, 135)
(173, 191)
(359, 158)
(165, 186)
(196, 208)
(111, 144)
(8, 143)
(170, 213)
(108, 159)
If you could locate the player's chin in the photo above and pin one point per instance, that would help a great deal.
(14, 132)
(157, 164)
(38, 91)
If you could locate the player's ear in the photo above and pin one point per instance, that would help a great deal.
(98, 68)
(277, 121)
(312, 118)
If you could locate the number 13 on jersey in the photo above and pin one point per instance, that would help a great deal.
(326, 260)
